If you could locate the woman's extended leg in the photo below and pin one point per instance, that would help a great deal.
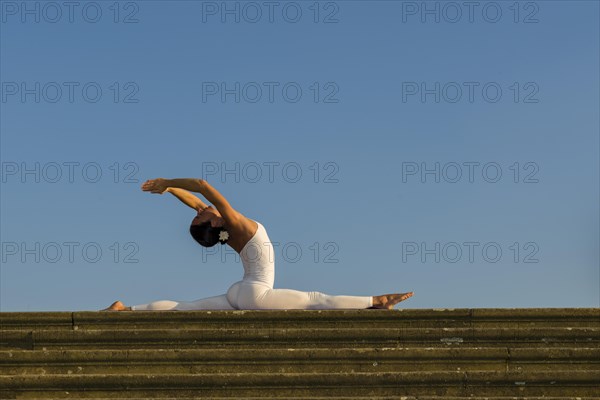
(251, 296)
(210, 303)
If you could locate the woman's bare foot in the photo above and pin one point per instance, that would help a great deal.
(390, 300)
(117, 306)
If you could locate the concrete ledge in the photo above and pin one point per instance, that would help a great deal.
(433, 354)
(307, 336)
(83, 318)
(566, 383)
(244, 360)
(244, 354)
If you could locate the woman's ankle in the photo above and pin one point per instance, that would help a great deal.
(377, 301)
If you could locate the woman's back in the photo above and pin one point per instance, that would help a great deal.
(258, 258)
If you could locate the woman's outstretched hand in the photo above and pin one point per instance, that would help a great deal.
(158, 185)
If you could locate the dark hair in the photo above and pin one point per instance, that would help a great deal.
(207, 235)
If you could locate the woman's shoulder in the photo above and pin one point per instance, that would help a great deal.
(246, 231)
(249, 224)
(247, 227)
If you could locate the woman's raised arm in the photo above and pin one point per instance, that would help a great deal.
(211, 194)
(187, 198)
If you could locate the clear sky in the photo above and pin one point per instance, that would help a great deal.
(445, 148)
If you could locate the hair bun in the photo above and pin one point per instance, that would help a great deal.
(207, 235)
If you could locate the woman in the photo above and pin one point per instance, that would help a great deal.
(249, 239)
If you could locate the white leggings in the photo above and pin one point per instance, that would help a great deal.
(249, 295)
(209, 303)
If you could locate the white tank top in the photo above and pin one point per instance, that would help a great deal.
(258, 258)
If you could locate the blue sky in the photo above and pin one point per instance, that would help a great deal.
(383, 150)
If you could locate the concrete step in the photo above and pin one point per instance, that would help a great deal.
(559, 383)
(413, 354)
(373, 398)
(165, 337)
(518, 360)
(418, 318)
(421, 318)
(149, 395)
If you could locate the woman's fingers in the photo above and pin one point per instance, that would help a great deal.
(153, 186)
(148, 185)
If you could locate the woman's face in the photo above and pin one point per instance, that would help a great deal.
(211, 215)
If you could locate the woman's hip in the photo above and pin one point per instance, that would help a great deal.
(243, 294)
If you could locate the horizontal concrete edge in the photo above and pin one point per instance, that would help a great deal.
(163, 356)
(381, 379)
(294, 332)
(98, 317)
(52, 395)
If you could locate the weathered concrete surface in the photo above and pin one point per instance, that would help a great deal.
(415, 353)
(323, 318)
